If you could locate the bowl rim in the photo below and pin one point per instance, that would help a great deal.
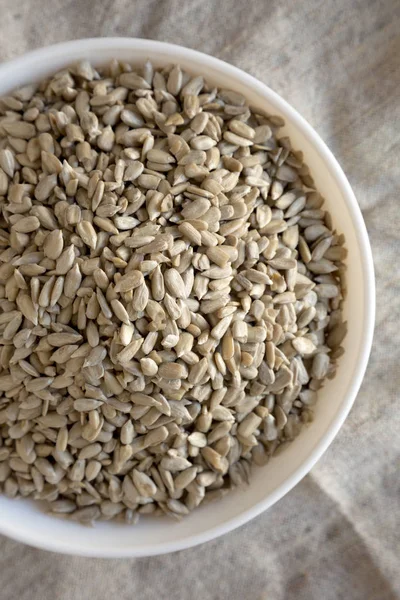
(108, 43)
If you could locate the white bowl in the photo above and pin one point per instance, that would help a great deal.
(21, 519)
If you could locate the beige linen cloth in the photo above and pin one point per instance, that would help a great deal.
(337, 534)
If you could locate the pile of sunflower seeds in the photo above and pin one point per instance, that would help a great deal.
(170, 291)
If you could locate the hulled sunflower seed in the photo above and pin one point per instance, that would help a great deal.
(170, 291)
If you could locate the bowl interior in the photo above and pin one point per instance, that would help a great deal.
(22, 520)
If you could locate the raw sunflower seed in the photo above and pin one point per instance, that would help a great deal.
(171, 291)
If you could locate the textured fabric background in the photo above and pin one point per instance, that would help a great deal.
(336, 535)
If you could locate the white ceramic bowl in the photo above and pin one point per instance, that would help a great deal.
(21, 520)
